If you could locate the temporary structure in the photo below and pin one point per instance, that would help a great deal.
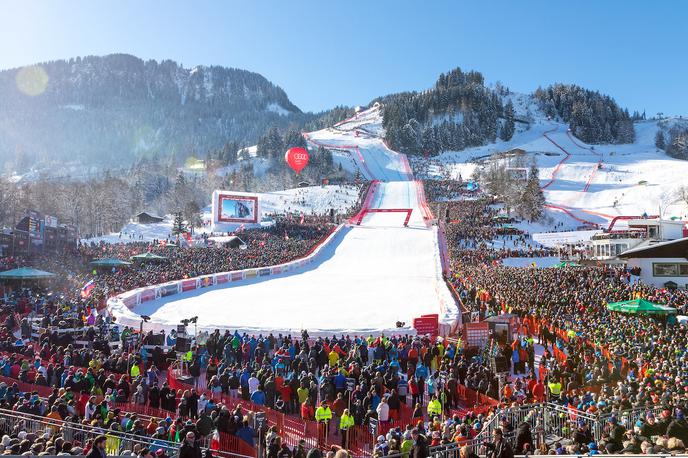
(109, 262)
(25, 273)
(641, 306)
(148, 257)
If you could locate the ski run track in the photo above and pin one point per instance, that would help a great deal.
(362, 279)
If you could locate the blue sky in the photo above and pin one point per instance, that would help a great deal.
(325, 53)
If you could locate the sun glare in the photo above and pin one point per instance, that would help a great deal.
(32, 80)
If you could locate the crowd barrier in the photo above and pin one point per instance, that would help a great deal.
(372, 189)
(423, 203)
(135, 297)
(555, 172)
(348, 148)
(292, 428)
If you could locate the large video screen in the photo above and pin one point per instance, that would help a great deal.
(237, 209)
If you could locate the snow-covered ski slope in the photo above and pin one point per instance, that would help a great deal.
(368, 278)
(590, 184)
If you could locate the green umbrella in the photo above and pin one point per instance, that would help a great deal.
(25, 273)
(109, 262)
(641, 306)
(567, 264)
(148, 256)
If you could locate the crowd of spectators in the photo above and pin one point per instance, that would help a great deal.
(593, 360)
(446, 190)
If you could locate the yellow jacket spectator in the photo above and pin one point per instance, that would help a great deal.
(346, 421)
(323, 413)
(434, 407)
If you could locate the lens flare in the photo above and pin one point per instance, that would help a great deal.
(32, 80)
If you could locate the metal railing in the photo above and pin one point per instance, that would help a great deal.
(117, 441)
(452, 450)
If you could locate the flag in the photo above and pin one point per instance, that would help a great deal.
(303, 218)
(87, 288)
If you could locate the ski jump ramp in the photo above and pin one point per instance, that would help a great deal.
(363, 279)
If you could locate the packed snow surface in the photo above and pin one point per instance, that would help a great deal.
(366, 279)
(592, 183)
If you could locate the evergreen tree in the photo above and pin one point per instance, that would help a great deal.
(293, 138)
(532, 199)
(270, 145)
(659, 140)
(592, 117)
(509, 127)
(178, 226)
(228, 155)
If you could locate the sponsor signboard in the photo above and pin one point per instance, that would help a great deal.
(477, 334)
(263, 272)
(168, 290)
(250, 274)
(147, 295)
(427, 324)
(129, 301)
(188, 285)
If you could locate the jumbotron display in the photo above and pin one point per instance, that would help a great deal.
(231, 207)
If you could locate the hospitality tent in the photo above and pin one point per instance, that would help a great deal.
(567, 264)
(109, 263)
(25, 273)
(641, 306)
(148, 257)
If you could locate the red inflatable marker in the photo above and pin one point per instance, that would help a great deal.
(297, 158)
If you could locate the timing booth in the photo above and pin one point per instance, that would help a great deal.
(503, 327)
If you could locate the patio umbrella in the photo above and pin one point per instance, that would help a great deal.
(148, 257)
(642, 307)
(109, 262)
(25, 273)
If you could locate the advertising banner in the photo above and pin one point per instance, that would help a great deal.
(50, 221)
(426, 324)
(477, 334)
(188, 285)
(168, 290)
(147, 295)
(236, 276)
(223, 278)
(130, 301)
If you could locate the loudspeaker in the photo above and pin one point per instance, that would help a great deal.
(183, 344)
(501, 364)
(155, 339)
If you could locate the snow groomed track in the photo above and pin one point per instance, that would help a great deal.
(364, 279)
